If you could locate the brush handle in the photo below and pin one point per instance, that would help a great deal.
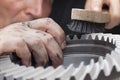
(91, 16)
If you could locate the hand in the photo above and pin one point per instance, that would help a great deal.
(24, 39)
(114, 10)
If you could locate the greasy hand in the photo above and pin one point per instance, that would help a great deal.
(114, 10)
(43, 38)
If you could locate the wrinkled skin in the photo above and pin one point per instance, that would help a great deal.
(43, 37)
(26, 39)
(114, 10)
(21, 10)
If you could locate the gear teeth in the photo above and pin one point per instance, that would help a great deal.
(79, 36)
(112, 41)
(75, 37)
(85, 36)
(116, 58)
(102, 39)
(66, 74)
(90, 37)
(117, 50)
(105, 65)
(108, 40)
(105, 37)
(93, 36)
(100, 59)
(67, 38)
(101, 75)
(71, 36)
(115, 38)
(95, 71)
(96, 37)
(105, 68)
(101, 63)
(99, 35)
(76, 74)
(88, 77)
(113, 73)
(110, 62)
(92, 61)
(117, 43)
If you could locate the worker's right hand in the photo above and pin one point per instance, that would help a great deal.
(24, 39)
(114, 10)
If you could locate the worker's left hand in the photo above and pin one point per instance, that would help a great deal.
(43, 38)
(114, 10)
(48, 25)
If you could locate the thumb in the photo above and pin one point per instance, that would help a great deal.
(95, 5)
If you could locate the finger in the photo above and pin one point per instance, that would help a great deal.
(18, 46)
(38, 50)
(53, 49)
(95, 5)
(114, 11)
(24, 53)
(63, 44)
(49, 26)
(88, 5)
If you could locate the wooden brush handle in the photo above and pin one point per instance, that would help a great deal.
(91, 16)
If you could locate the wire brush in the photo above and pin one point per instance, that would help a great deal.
(86, 21)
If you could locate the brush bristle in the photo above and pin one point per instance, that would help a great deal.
(85, 27)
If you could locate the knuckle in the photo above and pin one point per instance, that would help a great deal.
(48, 21)
(61, 34)
(60, 37)
(36, 42)
(49, 38)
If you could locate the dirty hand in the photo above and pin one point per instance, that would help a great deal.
(42, 37)
(114, 10)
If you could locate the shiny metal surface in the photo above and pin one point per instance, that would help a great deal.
(93, 57)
